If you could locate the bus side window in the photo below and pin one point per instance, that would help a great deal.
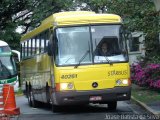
(5, 49)
(42, 42)
(37, 45)
(33, 46)
(29, 47)
(46, 40)
(22, 50)
(27, 50)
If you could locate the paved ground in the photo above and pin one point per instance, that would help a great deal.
(155, 105)
(90, 112)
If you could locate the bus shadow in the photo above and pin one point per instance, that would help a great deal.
(91, 108)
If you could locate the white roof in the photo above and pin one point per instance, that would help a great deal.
(2, 43)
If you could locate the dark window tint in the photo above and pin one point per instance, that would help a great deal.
(134, 44)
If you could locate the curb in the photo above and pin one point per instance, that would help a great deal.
(150, 110)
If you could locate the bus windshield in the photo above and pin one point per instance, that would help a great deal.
(7, 67)
(85, 44)
(73, 42)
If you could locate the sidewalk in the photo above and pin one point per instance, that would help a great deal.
(146, 98)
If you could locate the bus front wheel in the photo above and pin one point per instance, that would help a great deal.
(112, 105)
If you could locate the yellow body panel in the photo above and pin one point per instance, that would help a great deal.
(105, 75)
(87, 19)
(36, 70)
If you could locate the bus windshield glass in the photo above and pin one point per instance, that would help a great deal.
(90, 44)
(7, 67)
(73, 43)
(108, 44)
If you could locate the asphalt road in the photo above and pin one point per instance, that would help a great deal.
(90, 112)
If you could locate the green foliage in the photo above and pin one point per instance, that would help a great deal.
(43, 9)
(144, 94)
(25, 13)
(138, 15)
(19, 92)
(7, 25)
(151, 59)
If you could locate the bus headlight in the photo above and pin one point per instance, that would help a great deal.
(63, 86)
(125, 81)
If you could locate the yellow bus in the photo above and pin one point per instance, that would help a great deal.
(61, 62)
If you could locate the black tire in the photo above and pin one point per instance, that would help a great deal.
(31, 100)
(48, 97)
(112, 105)
(26, 90)
(29, 96)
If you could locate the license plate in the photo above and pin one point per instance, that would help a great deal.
(95, 98)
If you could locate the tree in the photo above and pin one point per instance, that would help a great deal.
(138, 15)
(7, 26)
(27, 14)
(40, 10)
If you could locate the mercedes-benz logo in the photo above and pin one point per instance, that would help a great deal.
(94, 84)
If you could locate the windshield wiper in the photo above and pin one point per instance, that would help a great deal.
(67, 60)
(82, 58)
(108, 60)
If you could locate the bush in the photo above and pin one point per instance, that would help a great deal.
(146, 75)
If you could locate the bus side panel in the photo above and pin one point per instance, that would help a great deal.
(36, 71)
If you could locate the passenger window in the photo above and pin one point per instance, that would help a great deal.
(33, 46)
(22, 50)
(37, 45)
(46, 40)
(29, 47)
(25, 49)
(42, 42)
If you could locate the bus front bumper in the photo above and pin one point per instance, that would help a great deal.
(85, 97)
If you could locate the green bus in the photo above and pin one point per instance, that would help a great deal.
(8, 69)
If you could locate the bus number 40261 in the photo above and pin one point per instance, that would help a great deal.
(70, 76)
